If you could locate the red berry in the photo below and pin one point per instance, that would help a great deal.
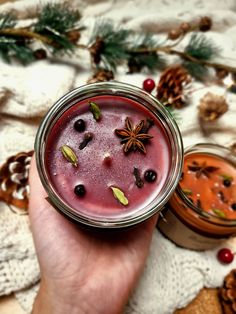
(107, 160)
(225, 256)
(148, 85)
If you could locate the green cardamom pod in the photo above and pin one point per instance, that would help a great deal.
(94, 108)
(219, 213)
(69, 155)
(119, 195)
(187, 192)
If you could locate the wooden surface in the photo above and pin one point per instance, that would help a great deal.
(9, 305)
(205, 303)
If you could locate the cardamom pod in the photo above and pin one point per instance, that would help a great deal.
(218, 212)
(119, 195)
(69, 154)
(94, 108)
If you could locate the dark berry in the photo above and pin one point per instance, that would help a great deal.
(148, 85)
(225, 256)
(79, 125)
(80, 190)
(150, 175)
(233, 206)
(227, 182)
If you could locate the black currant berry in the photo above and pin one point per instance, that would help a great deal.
(79, 125)
(233, 206)
(150, 175)
(79, 190)
(227, 182)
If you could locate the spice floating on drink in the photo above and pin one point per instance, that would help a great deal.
(212, 182)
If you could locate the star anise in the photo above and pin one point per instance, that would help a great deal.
(202, 169)
(132, 137)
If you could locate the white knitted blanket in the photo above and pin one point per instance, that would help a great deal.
(173, 276)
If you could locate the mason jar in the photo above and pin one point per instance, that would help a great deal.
(201, 214)
(109, 155)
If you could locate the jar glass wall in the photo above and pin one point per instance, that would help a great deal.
(102, 163)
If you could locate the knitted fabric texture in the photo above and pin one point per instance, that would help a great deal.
(173, 276)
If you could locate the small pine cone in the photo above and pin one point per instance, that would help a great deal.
(185, 27)
(228, 293)
(40, 54)
(14, 186)
(172, 84)
(205, 24)
(134, 66)
(212, 107)
(101, 75)
(96, 50)
(73, 36)
(233, 148)
(221, 74)
(175, 34)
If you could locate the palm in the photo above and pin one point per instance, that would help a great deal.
(71, 257)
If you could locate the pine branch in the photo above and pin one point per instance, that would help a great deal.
(202, 48)
(108, 45)
(55, 20)
(57, 28)
(7, 21)
(139, 60)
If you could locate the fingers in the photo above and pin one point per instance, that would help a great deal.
(37, 192)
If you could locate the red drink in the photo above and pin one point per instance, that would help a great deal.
(142, 174)
(93, 171)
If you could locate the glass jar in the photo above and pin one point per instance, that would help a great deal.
(102, 161)
(185, 220)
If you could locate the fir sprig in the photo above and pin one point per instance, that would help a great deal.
(139, 59)
(108, 44)
(7, 21)
(54, 22)
(13, 46)
(201, 48)
(52, 29)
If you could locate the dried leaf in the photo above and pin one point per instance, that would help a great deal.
(120, 196)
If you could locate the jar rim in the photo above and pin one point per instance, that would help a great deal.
(143, 98)
(219, 151)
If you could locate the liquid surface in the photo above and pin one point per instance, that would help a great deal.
(97, 173)
(210, 183)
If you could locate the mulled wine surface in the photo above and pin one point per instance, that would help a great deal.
(210, 183)
(102, 167)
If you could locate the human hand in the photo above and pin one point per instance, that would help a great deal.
(83, 271)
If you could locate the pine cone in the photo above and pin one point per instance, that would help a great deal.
(73, 36)
(96, 50)
(228, 293)
(101, 75)
(212, 107)
(14, 187)
(205, 24)
(171, 86)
